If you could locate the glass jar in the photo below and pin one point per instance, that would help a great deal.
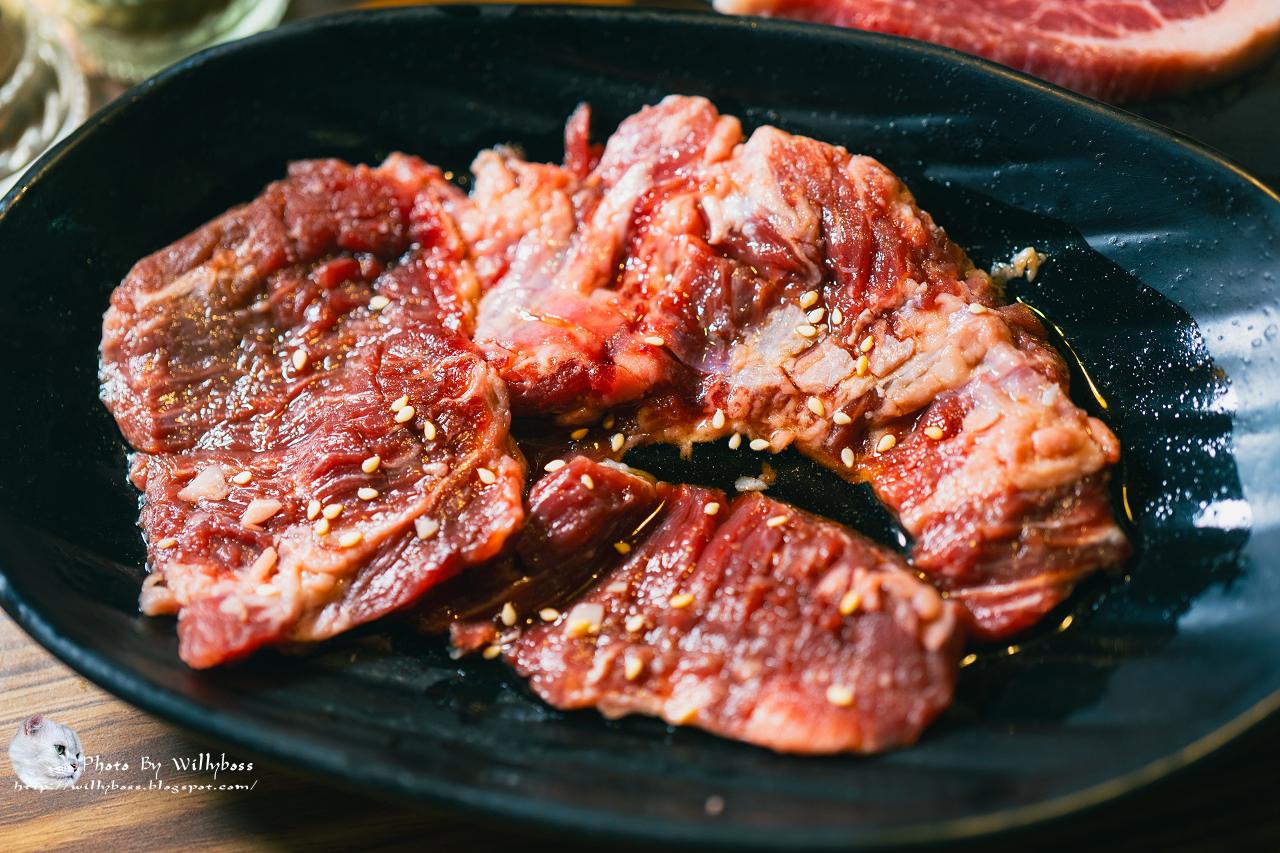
(129, 40)
(43, 96)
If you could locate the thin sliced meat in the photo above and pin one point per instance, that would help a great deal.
(323, 441)
(581, 518)
(792, 293)
(565, 342)
(1116, 51)
(750, 620)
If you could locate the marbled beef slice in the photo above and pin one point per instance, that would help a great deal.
(1116, 50)
(320, 440)
(751, 619)
(787, 292)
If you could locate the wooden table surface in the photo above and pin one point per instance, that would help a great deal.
(1227, 802)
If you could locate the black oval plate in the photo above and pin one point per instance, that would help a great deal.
(1161, 283)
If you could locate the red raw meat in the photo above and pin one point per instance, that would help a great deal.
(564, 341)
(252, 363)
(790, 292)
(1115, 50)
(568, 541)
(751, 620)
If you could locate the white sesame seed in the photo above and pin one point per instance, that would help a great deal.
(933, 432)
(836, 317)
(849, 602)
(654, 340)
(867, 343)
(486, 476)
(425, 527)
(554, 465)
(508, 614)
(758, 444)
(578, 434)
(617, 441)
(167, 542)
(350, 539)
(587, 481)
(299, 359)
(491, 652)
(399, 404)
(776, 521)
(321, 527)
(259, 510)
(808, 298)
(332, 511)
(886, 442)
(684, 599)
(862, 364)
(622, 547)
(838, 694)
(711, 508)
(846, 456)
(313, 509)
(548, 614)
(378, 302)
(632, 668)
(264, 563)
(816, 315)
(815, 406)
(717, 420)
(635, 623)
(618, 587)
(807, 331)
(977, 308)
(371, 464)
(405, 414)
(583, 620)
(242, 478)
(429, 431)
(735, 441)
(841, 418)
(266, 590)
(608, 421)
(685, 716)
(367, 494)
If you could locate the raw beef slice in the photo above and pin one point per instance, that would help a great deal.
(1116, 50)
(321, 441)
(751, 619)
(781, 291)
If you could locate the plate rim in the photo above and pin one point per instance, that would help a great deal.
(299, 754)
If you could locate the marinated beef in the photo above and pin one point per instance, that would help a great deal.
(564, 339)
(322, 442)
(751, 620)
(1116, 51)
(785, 291)
(580, 519)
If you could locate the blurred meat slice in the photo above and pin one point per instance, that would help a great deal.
(324, 442)
(1116, 51)
(751, 620)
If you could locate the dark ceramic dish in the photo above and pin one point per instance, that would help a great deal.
(1161, 283)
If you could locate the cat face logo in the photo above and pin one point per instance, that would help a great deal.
(46, 754)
